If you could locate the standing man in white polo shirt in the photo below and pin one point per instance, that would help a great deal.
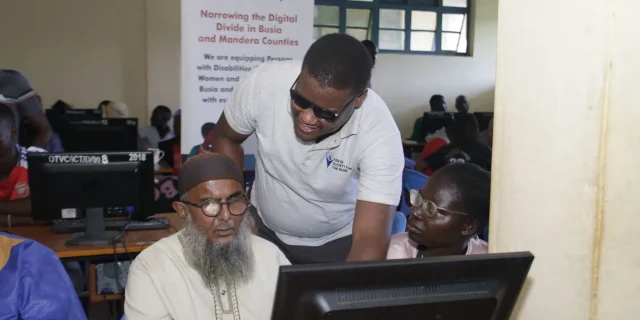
(329, 163)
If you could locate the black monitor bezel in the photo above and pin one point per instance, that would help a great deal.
(509, 268)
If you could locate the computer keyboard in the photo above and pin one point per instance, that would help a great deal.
(71, 226)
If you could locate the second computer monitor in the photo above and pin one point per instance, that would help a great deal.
(483, 119)
(478, 287)
(434, 121)
(100, 135)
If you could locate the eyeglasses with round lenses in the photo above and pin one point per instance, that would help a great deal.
(213, 207)
(428, 207)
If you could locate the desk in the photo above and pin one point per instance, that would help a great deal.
(135, 241)
(163, 171)
(410, 146)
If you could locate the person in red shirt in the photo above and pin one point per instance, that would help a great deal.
(14, 179)
(430, 148)
(207, 136)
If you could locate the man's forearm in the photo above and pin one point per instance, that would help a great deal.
(369, 248)
(230, 148)
(19, 207)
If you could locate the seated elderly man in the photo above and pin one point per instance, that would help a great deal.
(214, 268)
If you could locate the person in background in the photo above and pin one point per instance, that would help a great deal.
(447, 214)
(103, 104)
(373, 52)
(434, 144)
(214, 268)
(33, 282)
(464, 146)
(159, 129)
(462, 105)
(330, 160)
(437, 104)
(26, 105)
(486, 136)
(207, 136)
(60, 107)
(171, 147)
(115, 109)
(15, 203)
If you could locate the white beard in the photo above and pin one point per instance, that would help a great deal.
(231, 262)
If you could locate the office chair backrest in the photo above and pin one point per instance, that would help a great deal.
(409, 164)
(399, 223)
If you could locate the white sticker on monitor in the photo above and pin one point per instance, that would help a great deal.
(69, 213)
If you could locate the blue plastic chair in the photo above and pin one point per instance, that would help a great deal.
(484, 234)
(399, 223)
(410, 180)
(249, 162)
(409, 164)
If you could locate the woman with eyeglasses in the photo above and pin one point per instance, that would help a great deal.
(446, 215)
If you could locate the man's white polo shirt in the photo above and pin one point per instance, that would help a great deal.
(305, 191)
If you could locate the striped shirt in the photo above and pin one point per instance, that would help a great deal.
(16, 186)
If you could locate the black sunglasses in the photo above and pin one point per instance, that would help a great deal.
(321, 113)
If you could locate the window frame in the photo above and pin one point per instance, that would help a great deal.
(411, 5)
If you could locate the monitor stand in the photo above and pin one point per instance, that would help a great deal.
(95, 233)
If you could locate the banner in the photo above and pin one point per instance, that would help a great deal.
(222, 40)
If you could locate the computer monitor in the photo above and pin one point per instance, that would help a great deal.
(434, 121)
(478, 287)
(84, 185)
(483, 119)
(58, 119)
(74, 114)
(100, 135)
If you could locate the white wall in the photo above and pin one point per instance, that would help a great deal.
(406, 82)
(569, 193)
(163, 51)
(79, 51)
(84, 51)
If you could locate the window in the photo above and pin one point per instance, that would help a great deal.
(399, 26)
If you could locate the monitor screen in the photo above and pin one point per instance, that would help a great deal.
(64, 185)
(434, 121)
(479, 287)
(58, 119)
(100, 135)
(483, 119)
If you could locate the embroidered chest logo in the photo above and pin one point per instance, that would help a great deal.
(329, 159)
(22, 190)
(337, 164)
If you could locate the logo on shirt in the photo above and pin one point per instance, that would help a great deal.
(337, 164)
(22, 190)
(329, 159)
(457, 155)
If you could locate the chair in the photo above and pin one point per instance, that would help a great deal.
(410, 180)
(399, 223)
(484, 234)
(409, 164)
